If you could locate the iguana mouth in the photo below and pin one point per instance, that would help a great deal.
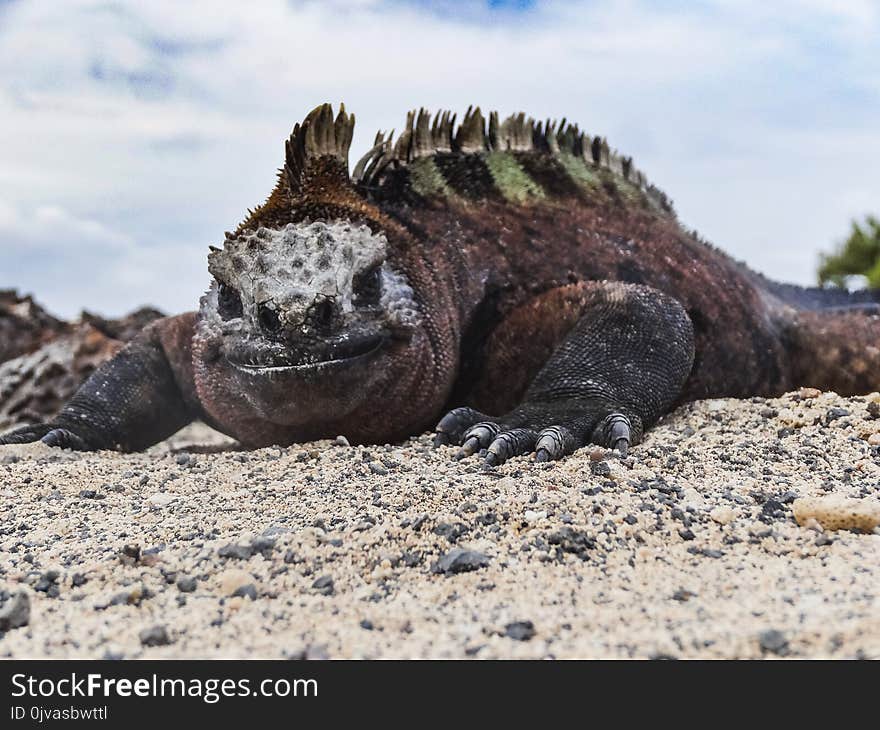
(337, 354)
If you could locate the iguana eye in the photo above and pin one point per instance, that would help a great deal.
(228, 302)
(368, 287)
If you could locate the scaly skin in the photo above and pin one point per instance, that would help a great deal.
(524, 280)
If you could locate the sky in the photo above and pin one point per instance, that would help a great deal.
(134, 134)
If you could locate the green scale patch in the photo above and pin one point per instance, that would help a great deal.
(510, 178)
(427, 180)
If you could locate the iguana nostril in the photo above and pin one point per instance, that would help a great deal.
(269, 319)
(322, 314)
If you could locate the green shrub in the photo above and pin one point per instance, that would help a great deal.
(859, 254)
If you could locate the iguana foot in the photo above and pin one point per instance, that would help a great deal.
(500, 440)
(48, 434)
(618, 367)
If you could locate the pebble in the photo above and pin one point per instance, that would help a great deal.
(324, 585)
(246, 591)
(236, 552)
(520, 630)
(154, 636)
(161, 499)
(15, 610)
(773, 642)
(186, 584)
(459, 560)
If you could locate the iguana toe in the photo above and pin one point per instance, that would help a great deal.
(478, 437)
(614, 432)
(506, 444)
(454, 424)
(554, 443)
(65, 439)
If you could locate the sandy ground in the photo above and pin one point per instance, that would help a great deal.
(687, 548)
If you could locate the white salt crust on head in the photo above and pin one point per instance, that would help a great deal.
(290, 268)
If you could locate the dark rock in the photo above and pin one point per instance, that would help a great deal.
(130, 554)
(78, 579)
(572, 541)
(15, 610)
(263, 544)
(772, 509)
(377, 468)
(124, 328)
(247, 591)
(47, 584)
(832, 414)
(773, 642)
(600, 469)
(155, 636)
(451, 532)
(366, 625)
(24, 325)
(520, 630)
(458, 560)
(186, 584)
(682, 594)
(324, 585)
(236, 552)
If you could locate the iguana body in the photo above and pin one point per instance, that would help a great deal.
(522, 275)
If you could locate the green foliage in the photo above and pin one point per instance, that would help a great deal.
(859, 254)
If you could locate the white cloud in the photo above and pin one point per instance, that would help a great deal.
(152, 126)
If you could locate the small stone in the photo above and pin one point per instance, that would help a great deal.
(15, 610)
(78, 579)
(130, 554)
(874, 439)
(341, 441)
(600, 468)
(520, 630)
(459, 560)
(183, 459)
(773, 642)
(324, 585)
(263, 544)
(161, 499)
(236, 552)
(832, 414)
(377, 468)
(366, 625)
(155, 636)
(572, 541)
(246, 591)
(186, 584)
(532, 516)
(805, 393)
(88, 493)
(722, 515)
(682, 595)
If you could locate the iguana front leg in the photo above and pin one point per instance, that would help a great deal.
(130, 402)
(614, 369)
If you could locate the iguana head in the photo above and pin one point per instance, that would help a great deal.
(311, 311)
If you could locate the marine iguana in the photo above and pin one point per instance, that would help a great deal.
(520, 277)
